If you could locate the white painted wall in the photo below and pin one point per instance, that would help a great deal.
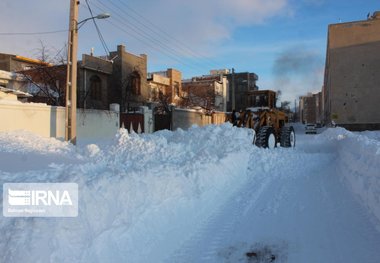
(49, 121)
(148, 119)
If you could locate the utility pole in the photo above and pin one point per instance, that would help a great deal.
(233, 89)
(71, 80)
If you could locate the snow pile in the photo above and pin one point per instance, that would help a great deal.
(135, 194)
(27, 142)
(359, 164)
(374, 135)
(24, 151)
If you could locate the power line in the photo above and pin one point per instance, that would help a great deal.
(180, 47)
(144, 36)
(167, 53)
(145, 26)
(158, 41)
(178, 43)
(103, 42)
(32, 33)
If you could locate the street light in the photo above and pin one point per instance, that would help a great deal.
(71, 80)
(100, 16)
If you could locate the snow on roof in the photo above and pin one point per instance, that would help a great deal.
(19, 93)
(11, 75)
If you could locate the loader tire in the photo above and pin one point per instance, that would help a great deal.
(266, 138)
(288, 137)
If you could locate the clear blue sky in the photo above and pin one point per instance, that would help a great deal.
(283, 41)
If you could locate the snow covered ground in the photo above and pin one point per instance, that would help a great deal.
(203, 195)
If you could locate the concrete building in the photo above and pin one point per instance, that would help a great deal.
(352, 74)
(94, 82)
(100, 81)
(241, 84)
(11, 86)
(11, 80)
(311, 108)
(319, 108)
(42, 80)
(9, 62)
(48, 84)
(167, 84)
(209, 92)
(245, 82)
(129, 86)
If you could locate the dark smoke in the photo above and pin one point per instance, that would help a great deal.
(297, 71)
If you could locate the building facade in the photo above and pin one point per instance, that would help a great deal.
(9, 62)
(311, 108)
(240, 85)
(100, 81)
(307, 109)
(165, 85)
(47, 84)
(129, 79)
(94, 82)
(12, 86)
(352, 74)
(11, 80)
(209, 92)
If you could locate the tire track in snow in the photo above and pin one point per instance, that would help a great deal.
(207, 242)
(350, 222)
(222, 222)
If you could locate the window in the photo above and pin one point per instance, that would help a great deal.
(95, 88)
(260, 101)
(136, 83)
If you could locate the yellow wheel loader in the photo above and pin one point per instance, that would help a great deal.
(269, 123)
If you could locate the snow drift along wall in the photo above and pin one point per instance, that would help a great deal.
(134, 193)
(359, 157)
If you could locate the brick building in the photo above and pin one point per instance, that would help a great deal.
(167, 84)
(307, 109)
(129, 86)
(209, 92)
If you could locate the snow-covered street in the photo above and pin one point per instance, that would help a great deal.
(203, 195)
(303, 215)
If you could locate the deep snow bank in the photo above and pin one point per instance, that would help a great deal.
(359, 164)
(27, 142)
(136, 195)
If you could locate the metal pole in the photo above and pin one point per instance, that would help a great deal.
(71, 80)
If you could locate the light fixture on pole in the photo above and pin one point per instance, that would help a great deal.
(100, 16)
(71, 80)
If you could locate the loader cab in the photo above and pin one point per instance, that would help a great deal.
(262, 99)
